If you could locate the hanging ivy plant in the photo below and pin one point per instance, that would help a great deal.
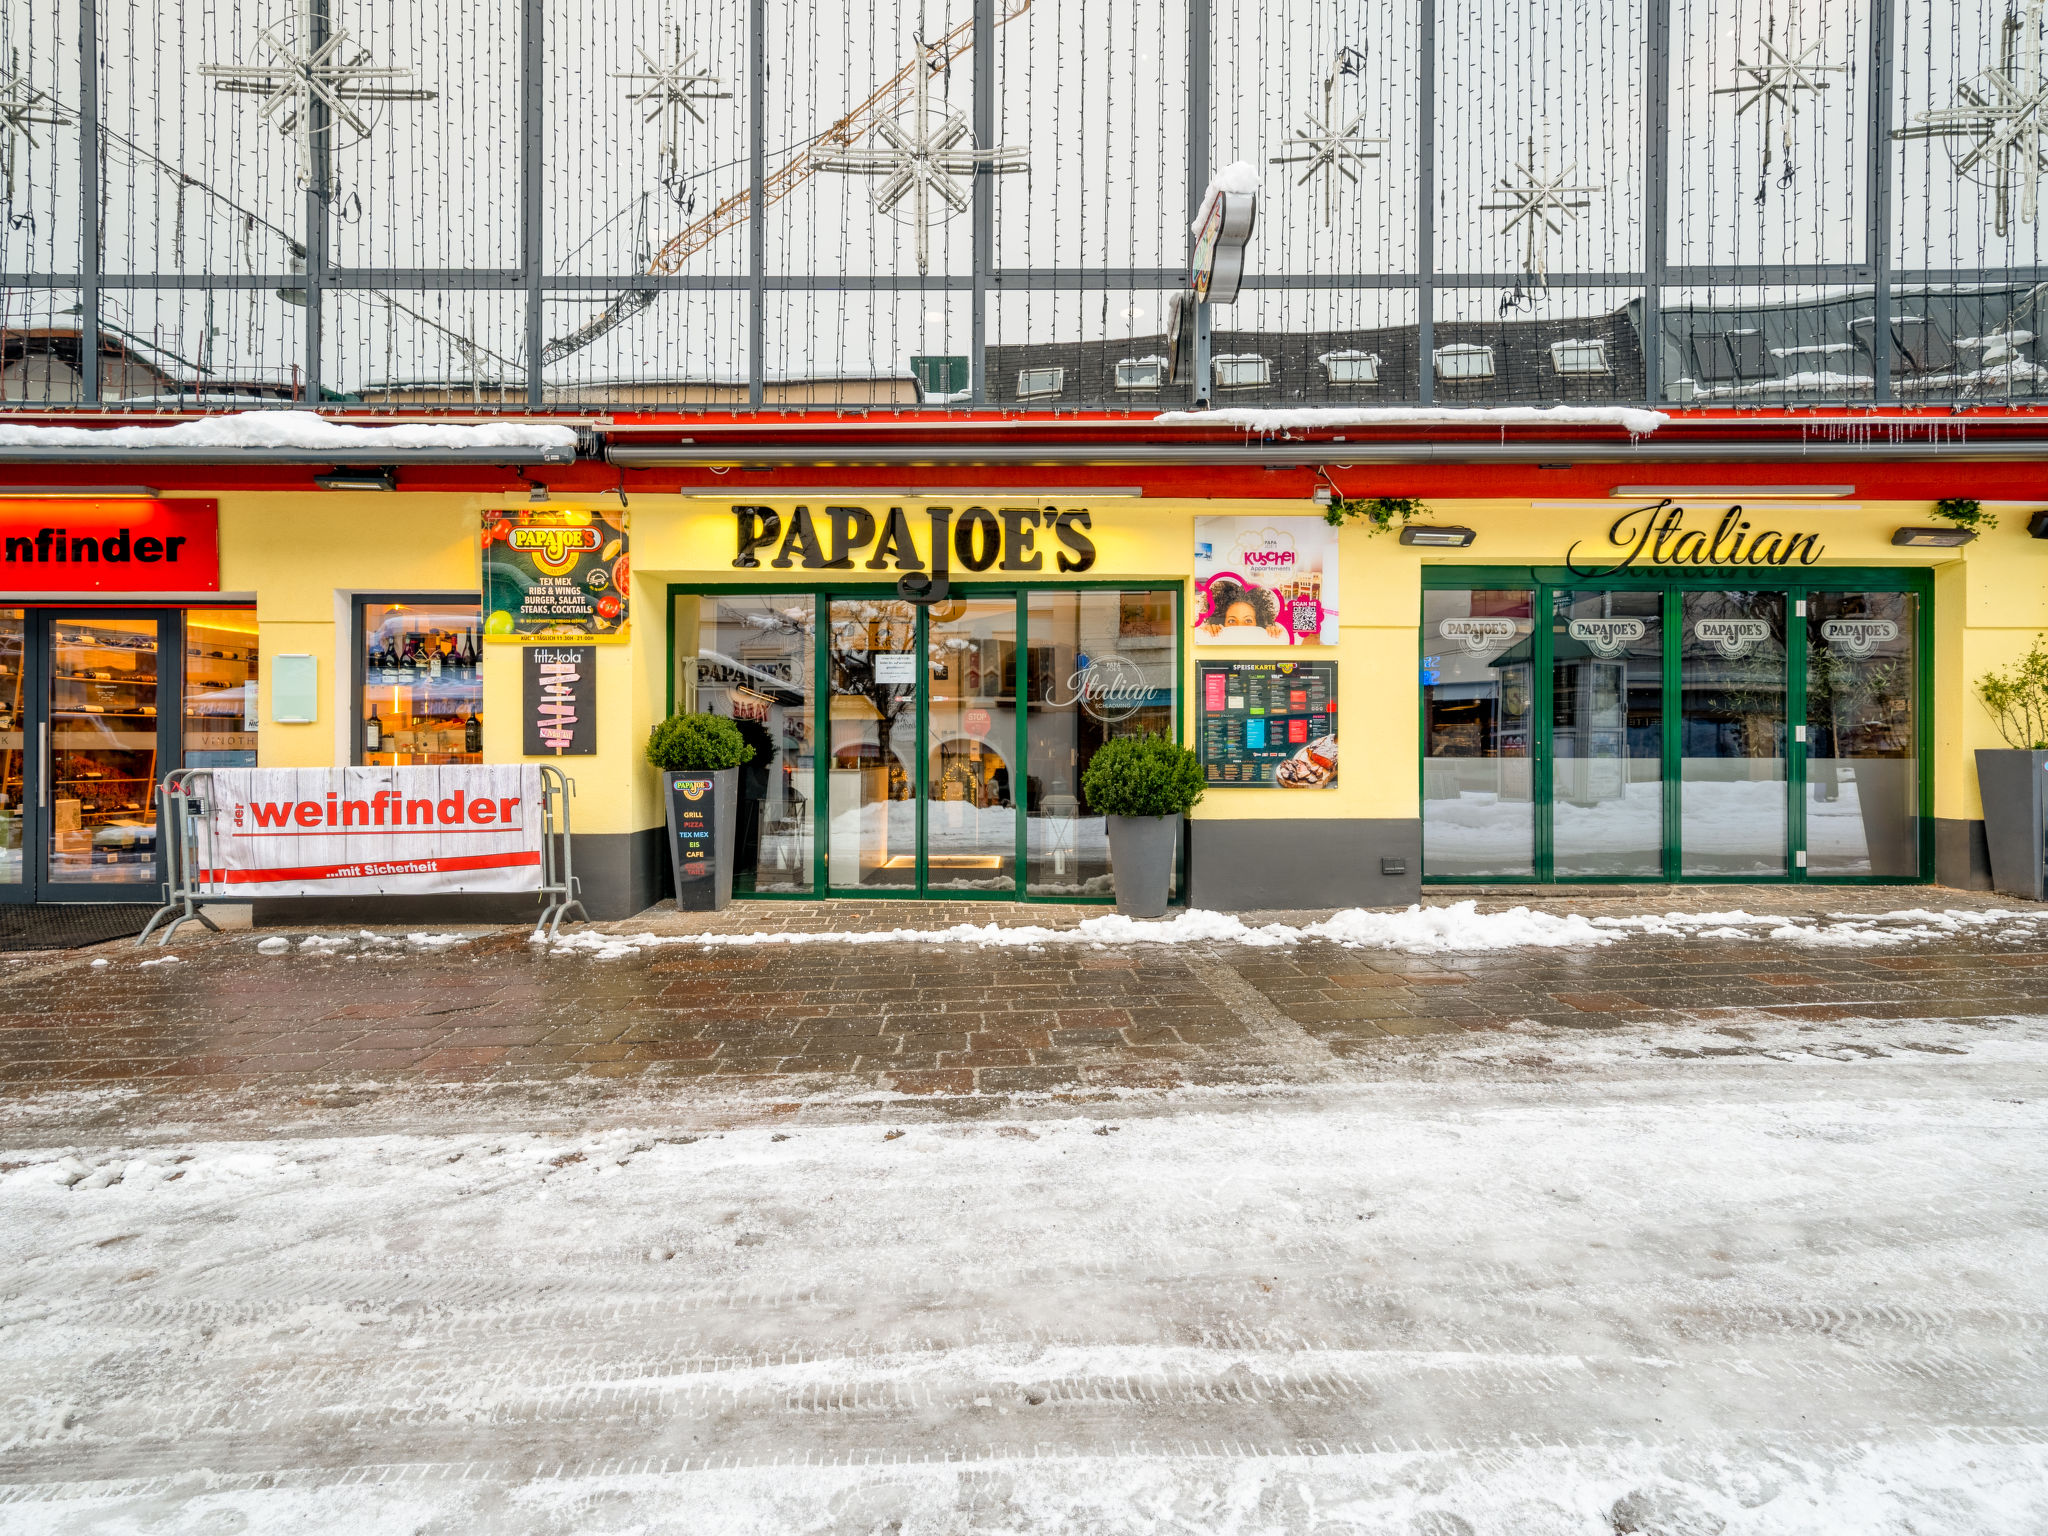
(1965, 513)
(1378, 513)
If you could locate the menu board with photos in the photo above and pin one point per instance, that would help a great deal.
(1268, 724)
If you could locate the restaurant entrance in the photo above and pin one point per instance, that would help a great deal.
(95, 708)
(926, 750)
(1675, 729)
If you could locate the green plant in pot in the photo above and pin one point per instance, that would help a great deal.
(688, 751)
(2013, 780)
(1143, 786)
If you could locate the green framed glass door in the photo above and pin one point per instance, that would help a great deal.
(1704, 727)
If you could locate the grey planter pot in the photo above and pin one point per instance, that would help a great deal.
(1141, 850)
(697, 896)
(2014, 787)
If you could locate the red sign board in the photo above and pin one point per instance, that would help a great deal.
(108, 544)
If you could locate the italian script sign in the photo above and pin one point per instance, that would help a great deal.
(374, 831)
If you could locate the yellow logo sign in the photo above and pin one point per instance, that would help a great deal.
(554, 550)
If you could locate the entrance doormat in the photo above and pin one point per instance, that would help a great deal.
(64, 925)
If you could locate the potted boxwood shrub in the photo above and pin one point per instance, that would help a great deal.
(2009, 778)
(1143, 786)
(698, 746)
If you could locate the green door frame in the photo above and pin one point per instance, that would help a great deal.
(822, 593)
(1543, 582)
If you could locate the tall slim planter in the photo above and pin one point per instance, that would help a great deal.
(1141, 850)
(2013, 783)
(699, 856)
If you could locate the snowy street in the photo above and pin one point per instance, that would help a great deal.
(1742, 1272)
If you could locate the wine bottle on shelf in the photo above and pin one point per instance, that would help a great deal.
(434, 658)
(472, 734)
(373, 732)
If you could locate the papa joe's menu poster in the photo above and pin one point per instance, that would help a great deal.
(1265, 581)
(555, 573)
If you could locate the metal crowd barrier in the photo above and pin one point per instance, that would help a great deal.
(185, 834)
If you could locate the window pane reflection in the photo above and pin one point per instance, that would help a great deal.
(1478, 689)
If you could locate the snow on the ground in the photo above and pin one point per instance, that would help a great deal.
(1633, 420)
(1458, 928)
(1603, 1295)
(295, 429)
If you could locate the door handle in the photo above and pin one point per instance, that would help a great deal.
(43, 770)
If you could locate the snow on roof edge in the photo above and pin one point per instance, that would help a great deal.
(1634, 420)
(293, 429)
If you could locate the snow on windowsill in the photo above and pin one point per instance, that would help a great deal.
(292, 429)
(1633, 420)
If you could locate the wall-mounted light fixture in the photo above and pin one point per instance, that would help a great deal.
(2037, 525)
(368, 479)
(1437, 535)
(1933, 538)
(535, 491)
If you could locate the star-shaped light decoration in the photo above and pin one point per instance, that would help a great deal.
(298, 74)
(1995, 137)
(1776, 78)
(671, 90)
(22, 109)
(1326, 149)
(922, 162)
(1543, 205)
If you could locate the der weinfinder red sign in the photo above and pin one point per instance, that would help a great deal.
(115, 544)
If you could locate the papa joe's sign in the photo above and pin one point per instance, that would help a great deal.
(113, 544)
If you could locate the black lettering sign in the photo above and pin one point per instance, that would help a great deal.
(1658, 536)
(979, 539)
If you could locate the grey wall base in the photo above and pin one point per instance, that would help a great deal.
(1242, 866)
(621, 873)
(1962, 857)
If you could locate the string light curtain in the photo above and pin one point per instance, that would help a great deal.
(499, 205)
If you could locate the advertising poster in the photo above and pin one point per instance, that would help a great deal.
(1267, 724)
(374, 831)
(1265, 581)
(694, 819)
(561, 701)
(553, 573)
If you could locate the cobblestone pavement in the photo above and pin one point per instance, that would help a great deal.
(939, 1020)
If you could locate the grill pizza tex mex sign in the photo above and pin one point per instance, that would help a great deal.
(1657, 536)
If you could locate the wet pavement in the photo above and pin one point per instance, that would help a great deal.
(954, 1020)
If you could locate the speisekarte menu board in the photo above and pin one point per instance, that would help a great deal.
(1268, 724)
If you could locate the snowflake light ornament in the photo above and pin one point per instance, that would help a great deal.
(671, 90)
(1995, 136)
(931, 166)
(22, 109)
(1775, 79)
(300, 72)
(1543, 204)
(1327, 150)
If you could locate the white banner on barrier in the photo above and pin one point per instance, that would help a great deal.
(375, 831)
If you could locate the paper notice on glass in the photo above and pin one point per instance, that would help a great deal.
(896, 667)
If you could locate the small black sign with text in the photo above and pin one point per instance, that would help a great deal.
(561, 701)
(693, 803)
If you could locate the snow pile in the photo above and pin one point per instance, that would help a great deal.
(383, 945)
(1634, 421)
(1459, 927)
(295, 429)
(1240, 177)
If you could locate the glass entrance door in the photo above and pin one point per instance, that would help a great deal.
(106, 717)
(970, 735)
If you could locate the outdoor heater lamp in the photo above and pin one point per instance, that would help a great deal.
(1934, 538)
(1440, 535)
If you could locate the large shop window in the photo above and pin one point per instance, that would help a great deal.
(930, 751)
(13, 740)
(220, 688)
(419, 681)
(1657, 730)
